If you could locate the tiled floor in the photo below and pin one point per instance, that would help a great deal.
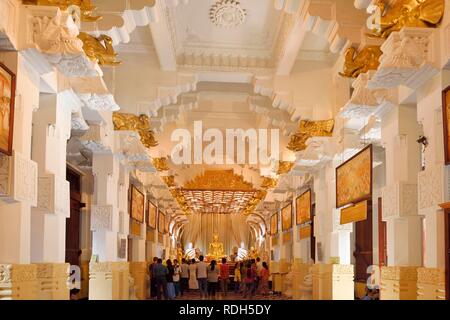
(195, 295)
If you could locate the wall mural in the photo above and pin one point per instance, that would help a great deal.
(274, 224)
(303, 208)
(7, 95)
(151, 214)
(354, 179)
(286, 217)
(446, 111)
(137, 204)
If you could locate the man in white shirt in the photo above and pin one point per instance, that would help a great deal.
(202, 277)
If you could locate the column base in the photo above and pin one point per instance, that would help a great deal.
(398, 283)
(333, 282)
(109, 281)
(139, 272)
(301, 280)
(18, 282)
(430, 284)
(52, 281)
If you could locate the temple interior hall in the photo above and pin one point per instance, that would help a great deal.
(260, 149)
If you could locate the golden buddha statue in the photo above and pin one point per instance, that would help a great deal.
(253, 253)
(216, 251)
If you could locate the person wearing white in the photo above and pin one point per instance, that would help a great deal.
(202, 277)
(193, 283)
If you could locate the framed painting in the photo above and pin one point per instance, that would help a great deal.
(7, 97)
(274, 224)
(354, 179)
(446, 122)
(303, 207)
(151, 213)
(161, 222)
(286, 217)
(137, 205)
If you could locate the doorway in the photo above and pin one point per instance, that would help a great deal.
(363, 250)
(73, 245)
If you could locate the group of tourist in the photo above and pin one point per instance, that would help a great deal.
(172, 279)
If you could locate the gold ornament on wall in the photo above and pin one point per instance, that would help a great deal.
(169, 181)
(361, 62)
(284, 167)
(161, 164)
(86, 7)
(309, 129)
(219, 180)
(139, 124)
(269, 183)
(407, 13)
(99, 49)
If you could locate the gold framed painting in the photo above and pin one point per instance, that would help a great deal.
(274, 224)
(161, 222)
(303, 205)
(446, 122)
(286, 217)
(7, 98)
(151, 213)
(137, 205)
(354, 178)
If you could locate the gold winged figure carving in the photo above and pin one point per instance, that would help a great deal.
(99, 49)
(408, 13)
(139, 124)
(361, 62)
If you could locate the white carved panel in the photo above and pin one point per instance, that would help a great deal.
(19, 181)
(431, 187)
(54, 195)
(407, 59)
(399, 199)
(102, 218)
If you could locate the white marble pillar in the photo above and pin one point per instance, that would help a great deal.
(400, 131)
(18, 187)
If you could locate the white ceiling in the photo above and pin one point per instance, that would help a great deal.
(195, 31)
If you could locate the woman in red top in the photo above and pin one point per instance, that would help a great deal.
(224, 276)
(249, 280)
(264, 278)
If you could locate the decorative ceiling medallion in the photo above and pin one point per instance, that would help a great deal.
(227, 13)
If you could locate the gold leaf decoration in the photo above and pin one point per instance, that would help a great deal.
(308, 129)
(99, 49)
(285, 167)
(362, 61)
(161, 164)
(219, 180)
(139, 124)
(269, 183)
(396, 15)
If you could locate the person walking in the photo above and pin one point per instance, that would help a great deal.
(237, 277)
(249, 281)
(259, 268)
(153, 285)
(193, 283)
(224, 276)
(202, 277)
(160, 272)
(176, 277)
(184, 281)
(264, 279)
(169, 278)
(213, 279)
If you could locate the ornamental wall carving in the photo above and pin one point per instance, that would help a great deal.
(102, 218)
(407, 60)
(431, 187)
(52, 270)
(400, 199)
(399, 273)
(431, 276)
(54, 195)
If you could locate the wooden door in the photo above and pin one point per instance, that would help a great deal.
(382, 235)
(73, 246)
(363, 247)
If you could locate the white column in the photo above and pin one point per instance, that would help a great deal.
(51, 130)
